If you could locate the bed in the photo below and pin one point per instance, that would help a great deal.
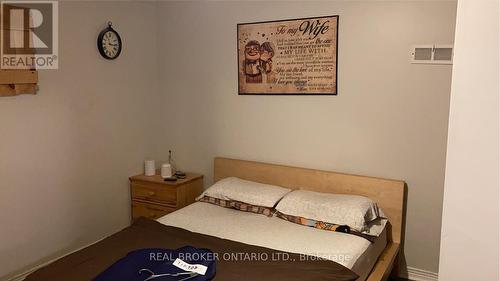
(353, 252)
(223, 229)
(388, 193)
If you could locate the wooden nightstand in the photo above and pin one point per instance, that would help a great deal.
(152, 197)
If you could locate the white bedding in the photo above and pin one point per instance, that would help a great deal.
(353, 252)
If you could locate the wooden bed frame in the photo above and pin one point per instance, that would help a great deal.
(389, 195)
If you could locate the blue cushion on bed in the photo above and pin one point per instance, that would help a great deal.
(159, 261)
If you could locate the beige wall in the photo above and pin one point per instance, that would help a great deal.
(389, 119)
(66, 153)
(472, 165)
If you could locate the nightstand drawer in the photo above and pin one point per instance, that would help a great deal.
(164, 194)
(153, 197)
(149, 210)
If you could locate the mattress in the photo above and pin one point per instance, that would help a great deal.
(353, 252)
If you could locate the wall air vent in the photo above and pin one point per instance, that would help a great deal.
(432, 54)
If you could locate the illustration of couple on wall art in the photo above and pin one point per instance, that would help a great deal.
(258, 64)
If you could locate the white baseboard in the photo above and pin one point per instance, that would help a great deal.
(417, 274)
(23, 275)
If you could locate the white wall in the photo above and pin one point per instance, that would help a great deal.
(66, 153)
(389, 120)
(469, 238)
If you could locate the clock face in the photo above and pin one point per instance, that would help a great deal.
(109, 43)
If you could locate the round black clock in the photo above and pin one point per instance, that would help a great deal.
(109, 43)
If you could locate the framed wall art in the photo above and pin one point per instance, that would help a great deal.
(288, 57)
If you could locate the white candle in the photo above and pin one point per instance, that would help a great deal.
(166, 171)
(149, 168)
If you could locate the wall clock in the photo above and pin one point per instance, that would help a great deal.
(109, 43)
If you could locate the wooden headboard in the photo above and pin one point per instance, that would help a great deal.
(389, 194)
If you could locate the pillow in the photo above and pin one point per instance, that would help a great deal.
(249, 192)
(238, 206)
(341, 209)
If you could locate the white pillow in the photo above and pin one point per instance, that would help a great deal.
(249, 192)
(353, 210)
